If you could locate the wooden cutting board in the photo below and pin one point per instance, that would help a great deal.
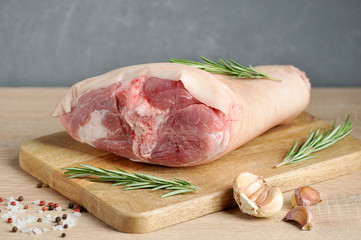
(142, 211)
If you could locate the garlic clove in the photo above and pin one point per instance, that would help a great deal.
(302, 215)
(256, 197)
(254, 187)
(273, 202)
(305, 196)
(257, 194)
(262, 196)
(245, 179)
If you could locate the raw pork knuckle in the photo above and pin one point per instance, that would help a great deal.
(176, 115)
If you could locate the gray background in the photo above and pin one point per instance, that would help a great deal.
(58, 43)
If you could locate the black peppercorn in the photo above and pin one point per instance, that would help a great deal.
(40, 220)
(66, 226)
(15, 229)
(65, 216)
(51, 207)
(81, 208)
(20, 198)
(63, 235)
(71, 205)
(57, 219)
(40, 185)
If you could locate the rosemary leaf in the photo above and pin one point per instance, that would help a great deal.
(230, 67)
(176, 192)
(79, 175)
(316, 142)
(119, 183)
(131, 181)
(161, 186)
(139, 187)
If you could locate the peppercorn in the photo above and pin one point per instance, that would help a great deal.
(20, 198)
(51, 207)
(63, 235)
(56, 205)
(81, 208)
(40, 220)
(39, 185)
(42, 203)
(76, 210)
(13, 203)
(57, 219)
(65, 216)
(51, 203)
(66, 226)
(1, 199)
(71, 205)
(26, 206)
(43, 208)
(10, 220)
(15, 229)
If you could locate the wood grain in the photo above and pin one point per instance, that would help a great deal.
(144, 211)
(25, 114)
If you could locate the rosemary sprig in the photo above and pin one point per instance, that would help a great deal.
(316, 142)
(230, 67)
(132, 180)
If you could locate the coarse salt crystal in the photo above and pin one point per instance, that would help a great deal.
(8, 214)
(20, 210)
(45, 220)
(37, 231)
(45, 230)
(77, 214)
(40, 211)
(12, 208)
(25, 230)
(58, 227)
(10, 198)
(23, 221)
(58, 208)
(36, 202)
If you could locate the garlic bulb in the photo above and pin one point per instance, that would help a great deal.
(302, 215)
(256, 197)
(305, 196)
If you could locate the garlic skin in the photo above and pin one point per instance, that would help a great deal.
(303, 215)
(305, 196)
(256, 197)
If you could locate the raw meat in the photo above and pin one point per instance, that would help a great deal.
(175, 115)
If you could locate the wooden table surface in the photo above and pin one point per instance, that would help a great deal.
(25, 114)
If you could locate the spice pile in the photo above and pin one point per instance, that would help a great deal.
(65, 217)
